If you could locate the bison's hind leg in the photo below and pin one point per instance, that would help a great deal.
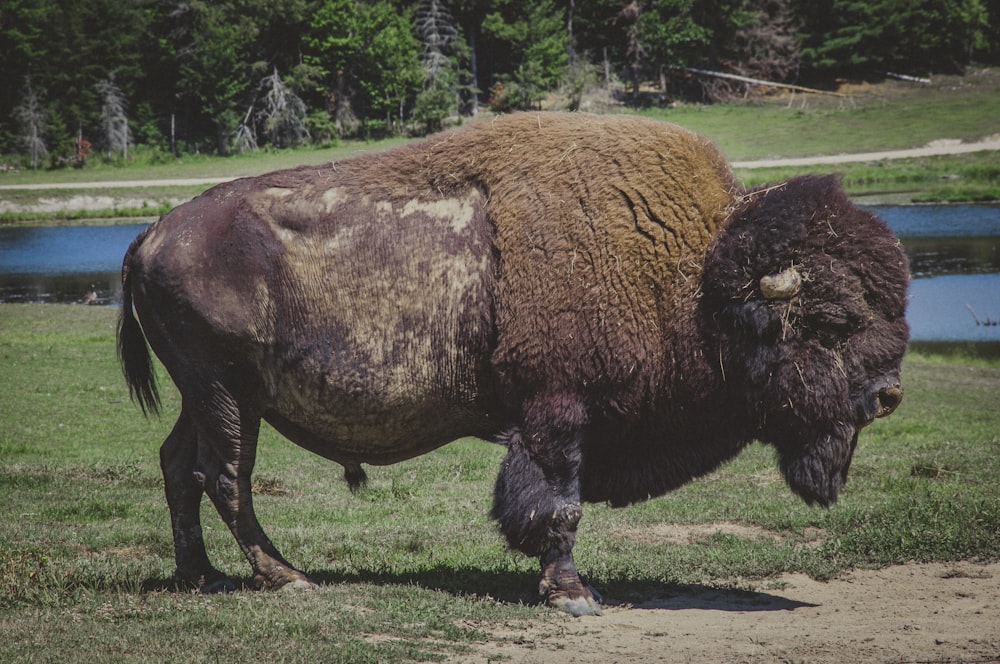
(227, 428)
(177, 461)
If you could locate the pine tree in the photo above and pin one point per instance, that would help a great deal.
(538, 44)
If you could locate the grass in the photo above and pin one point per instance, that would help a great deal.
(888, 116)
(412, 569)
(196, 165)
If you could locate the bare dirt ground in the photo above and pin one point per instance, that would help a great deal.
(910, 613)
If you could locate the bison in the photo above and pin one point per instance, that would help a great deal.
(597, 294)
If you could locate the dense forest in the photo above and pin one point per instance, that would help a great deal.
(108, 79)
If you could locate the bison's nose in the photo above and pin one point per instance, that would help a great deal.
(888, 399)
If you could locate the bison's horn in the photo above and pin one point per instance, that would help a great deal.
(782, 286)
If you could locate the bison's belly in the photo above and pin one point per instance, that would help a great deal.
(382, 321)
(376, 417)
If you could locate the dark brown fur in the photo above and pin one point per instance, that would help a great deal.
(582, 289)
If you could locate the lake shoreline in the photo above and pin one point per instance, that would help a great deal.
(78, 210)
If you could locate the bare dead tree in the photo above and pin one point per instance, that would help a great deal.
(245, 138)
(435, 29)
(31, 116)
(440, 94)
(283, 112)
(114, 119)
(766, 48)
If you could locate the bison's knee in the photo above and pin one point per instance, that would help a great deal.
(534, 513)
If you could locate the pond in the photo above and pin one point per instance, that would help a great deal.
(954, 253)
(63, 263)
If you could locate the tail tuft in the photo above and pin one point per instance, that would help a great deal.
(355, 476)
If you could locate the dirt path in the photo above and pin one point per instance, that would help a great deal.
(120, 184)
(910, 613)
(939, 147)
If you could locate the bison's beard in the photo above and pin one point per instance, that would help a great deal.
(818, 469)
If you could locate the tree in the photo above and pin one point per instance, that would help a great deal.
(767, 46)
(332, 42)
(114, 119)
(469, 15)
(387, 66)
(212, 44)
(754, 38)
(245, 138)
(436, 32)
(439, 96)
(31, 117)
(21, 24)
(66, 48)
(284, 114)
(538, 45)
(863, 37)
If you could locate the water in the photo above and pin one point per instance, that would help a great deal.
(63, 263)
(954, 253)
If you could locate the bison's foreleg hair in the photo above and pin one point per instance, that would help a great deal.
(524, 504)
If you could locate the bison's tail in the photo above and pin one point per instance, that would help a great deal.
(133, 353)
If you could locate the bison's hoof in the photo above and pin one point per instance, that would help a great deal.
(577, 606)
(299, 584)
(283, 578)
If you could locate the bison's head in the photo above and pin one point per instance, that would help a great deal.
(806, 295)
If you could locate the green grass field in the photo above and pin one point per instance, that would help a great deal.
(412, 569)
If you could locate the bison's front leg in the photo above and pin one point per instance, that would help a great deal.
(537, 504)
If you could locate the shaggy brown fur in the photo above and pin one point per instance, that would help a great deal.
(582, 289)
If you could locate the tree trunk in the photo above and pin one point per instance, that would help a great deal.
(607, 69)
(473, 72)
(570, 47)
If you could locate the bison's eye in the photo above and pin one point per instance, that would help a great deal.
(831, 315)
(838, 314)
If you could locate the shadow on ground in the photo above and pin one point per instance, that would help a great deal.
(518, 588)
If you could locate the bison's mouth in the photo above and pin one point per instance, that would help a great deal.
(818, 470)
(888, 400)
(881, 401)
